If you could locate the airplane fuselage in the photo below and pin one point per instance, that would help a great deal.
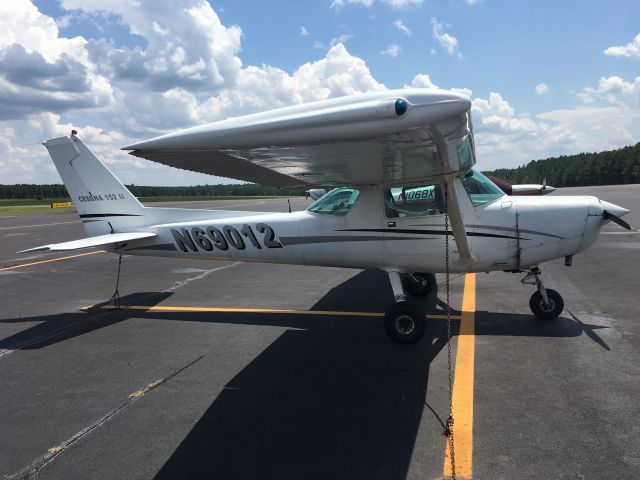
(509, 233)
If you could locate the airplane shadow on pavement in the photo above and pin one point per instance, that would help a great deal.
(336, 400)
(52, 329)
(332, 397)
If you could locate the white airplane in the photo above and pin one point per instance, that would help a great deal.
(371, 147)
(523, 189)
(532, 189)
(316, 193)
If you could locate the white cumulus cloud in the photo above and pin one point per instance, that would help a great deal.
(188, 71)
(449, 43)
(631, 49)
(421, 80)
(613, 90)
(40, 70)
(187, 46)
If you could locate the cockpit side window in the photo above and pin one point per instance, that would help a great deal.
(480, 189)
(413, 201)
(337, 202)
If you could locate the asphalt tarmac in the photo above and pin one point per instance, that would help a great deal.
(211, 390)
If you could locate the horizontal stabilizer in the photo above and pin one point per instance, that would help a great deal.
(89, 242)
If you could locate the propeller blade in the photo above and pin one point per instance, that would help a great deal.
(614, 218)
(544, 183)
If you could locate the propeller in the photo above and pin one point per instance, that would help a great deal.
(607, 215)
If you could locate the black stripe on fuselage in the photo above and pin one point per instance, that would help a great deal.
(103, 215)
(495, 227)
(288, 241)
(429, 232)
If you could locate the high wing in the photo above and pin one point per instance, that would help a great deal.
(381, 137)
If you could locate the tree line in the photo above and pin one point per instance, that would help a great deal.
(58, 191)
(612, 167)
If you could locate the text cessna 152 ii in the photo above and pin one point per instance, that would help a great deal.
(372, 148)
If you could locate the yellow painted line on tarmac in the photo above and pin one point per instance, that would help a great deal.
(463, 387)
(58, 259)
(166, 308)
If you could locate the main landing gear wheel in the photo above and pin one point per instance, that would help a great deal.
(419, 284)
(405, 322)
(546, 311)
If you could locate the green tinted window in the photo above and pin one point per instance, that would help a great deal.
(337, 202)
(479, 188)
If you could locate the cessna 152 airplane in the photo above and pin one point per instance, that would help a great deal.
(377, 149)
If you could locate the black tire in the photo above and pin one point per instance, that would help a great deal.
(405, 322)
(546, 312)
(426, 286)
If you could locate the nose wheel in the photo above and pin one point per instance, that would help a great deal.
(546, 304)
(548, 310)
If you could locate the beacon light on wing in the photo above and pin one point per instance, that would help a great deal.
(401, 107)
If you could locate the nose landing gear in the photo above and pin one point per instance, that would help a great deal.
(405, 321)
(419, 284)
(545, 303)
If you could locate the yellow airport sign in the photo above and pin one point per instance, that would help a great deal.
(61, 204)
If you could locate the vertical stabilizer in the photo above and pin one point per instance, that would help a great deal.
(102, 201)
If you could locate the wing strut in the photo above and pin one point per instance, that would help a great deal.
(457, 225)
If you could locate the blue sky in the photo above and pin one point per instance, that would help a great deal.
(546, 78)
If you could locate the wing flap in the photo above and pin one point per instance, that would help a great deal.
(98, 241)
(221, 164)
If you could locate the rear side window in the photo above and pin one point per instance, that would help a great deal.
(413, 201)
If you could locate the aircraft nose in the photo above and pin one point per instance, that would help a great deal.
(616, 210)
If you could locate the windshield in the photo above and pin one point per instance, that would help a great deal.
(480, 189)
(337, 202)
(465, 154)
